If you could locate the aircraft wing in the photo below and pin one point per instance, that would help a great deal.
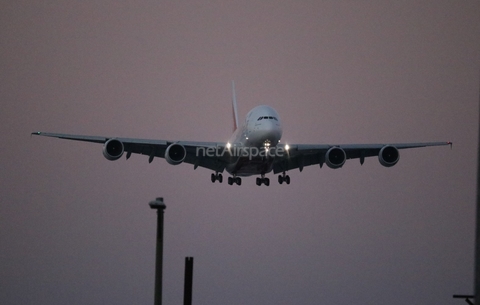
(301, 155)
(195, 152)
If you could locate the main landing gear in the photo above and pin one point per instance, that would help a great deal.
(284, 178)
(237, 180)
(263, 180)
(217, 177)
(234, 179)
(231, 180)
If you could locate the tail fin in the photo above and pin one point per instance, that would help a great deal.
(234, 107)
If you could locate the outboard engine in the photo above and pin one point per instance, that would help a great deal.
(113, 149)
(335, 157)
(388, 155)
(175, 154)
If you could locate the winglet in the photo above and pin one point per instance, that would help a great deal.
(234, 107)
(450, 143)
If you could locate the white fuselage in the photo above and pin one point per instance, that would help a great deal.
(261, 130)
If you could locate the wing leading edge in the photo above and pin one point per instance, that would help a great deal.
(301, 155)
(204, 154)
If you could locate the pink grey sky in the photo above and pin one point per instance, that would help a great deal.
(76, 228)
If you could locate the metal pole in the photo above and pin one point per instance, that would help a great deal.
(477, 231)
(187, 290)
(160, 207)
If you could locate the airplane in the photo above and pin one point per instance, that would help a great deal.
(254, 149)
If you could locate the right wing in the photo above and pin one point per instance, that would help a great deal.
(209, 155)
(301, 155)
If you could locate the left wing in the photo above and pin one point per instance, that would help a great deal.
(301, 155)
(204, 154)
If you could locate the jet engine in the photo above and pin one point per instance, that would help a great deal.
(388, 155)
(335, 157)
(175, 154)
(113, 149)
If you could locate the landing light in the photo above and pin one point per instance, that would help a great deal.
(229, 145)
(287, 147)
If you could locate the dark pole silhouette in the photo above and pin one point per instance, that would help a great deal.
(187, 292)
(477, 238)
(158, 205)
(476, 280)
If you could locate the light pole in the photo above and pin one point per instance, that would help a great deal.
(187, 288)
(160, 206)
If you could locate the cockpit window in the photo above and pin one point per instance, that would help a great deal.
(267, 118)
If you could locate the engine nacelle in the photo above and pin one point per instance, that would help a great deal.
(388, 156)
(113, 149)
(335, 157)
(175, 154)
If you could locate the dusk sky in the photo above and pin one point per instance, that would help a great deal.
(76, 228)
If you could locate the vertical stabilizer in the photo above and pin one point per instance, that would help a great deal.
(234, 107)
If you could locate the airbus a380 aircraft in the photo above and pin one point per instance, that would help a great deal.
(253, 149)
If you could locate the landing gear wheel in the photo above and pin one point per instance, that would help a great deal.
(234, 179)
(217, 177)
(284, 178)
(263, 180)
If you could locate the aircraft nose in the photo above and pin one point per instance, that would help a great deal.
(268, 125)
(269, 131)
